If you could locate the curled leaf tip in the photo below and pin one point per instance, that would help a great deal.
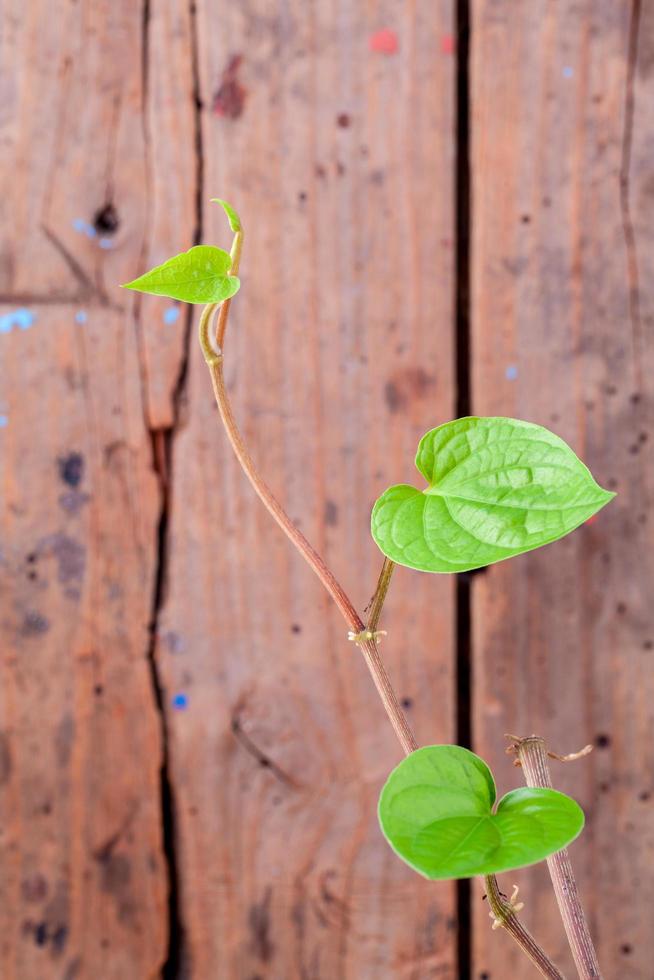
(232, 216)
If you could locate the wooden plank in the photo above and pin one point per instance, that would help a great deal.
(169, 132)
(83, 874)
(340, 160)
(562, 336)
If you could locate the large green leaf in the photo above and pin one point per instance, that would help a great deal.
(200, 275)
(436, 811)
(497, 487)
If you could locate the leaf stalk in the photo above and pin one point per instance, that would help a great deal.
(379, 597)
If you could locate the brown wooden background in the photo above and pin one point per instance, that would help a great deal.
(190, 751)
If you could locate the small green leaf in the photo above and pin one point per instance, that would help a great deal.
(232, 217)
(200, 275)
(497, 487)
(436, 811)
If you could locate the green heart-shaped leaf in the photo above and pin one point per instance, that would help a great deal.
(436, 811)
(200, 275)
(497, 487)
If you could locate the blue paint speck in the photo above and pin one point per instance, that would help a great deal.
(180, 701)
(511, 372)
(4, 421)
(106, 243)
(81, 316)
(21, 317)
(568, 72)
(171, 314)
(24, 318)
(84, 228)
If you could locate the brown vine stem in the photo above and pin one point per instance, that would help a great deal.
(365, 637)
(504, 914)
(532, 755)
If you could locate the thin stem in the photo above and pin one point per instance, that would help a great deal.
(532, 755)
(367, 644)
(212, 349)
(379, 597)
(308, 552)
(504, 914)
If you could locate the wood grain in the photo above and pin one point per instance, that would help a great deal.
(339, 358)
(562, 309)
(169, 124)
(124, 512)
(83, 877)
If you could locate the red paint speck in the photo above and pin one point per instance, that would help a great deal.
(447, 44)
(384, 41)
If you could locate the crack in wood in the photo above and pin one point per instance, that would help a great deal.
(262, 757)
(463, 609)
(88, 289)
(162, 445)
(625, 207)
(162, 440)
(161, 454)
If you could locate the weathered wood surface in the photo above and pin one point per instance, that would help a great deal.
(339, 351)
(562, 314)
(123, 508)
(83, 877)
(340, 355)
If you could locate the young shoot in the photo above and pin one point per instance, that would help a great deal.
(496, 488)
